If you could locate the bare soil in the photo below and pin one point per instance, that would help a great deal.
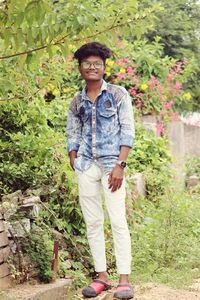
(154, 291)
(151, 291)
(162, 292)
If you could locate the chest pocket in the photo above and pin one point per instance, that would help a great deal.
(108, 116)
(108, 112)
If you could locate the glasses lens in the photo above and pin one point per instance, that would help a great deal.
(85, 64)
(97, 64)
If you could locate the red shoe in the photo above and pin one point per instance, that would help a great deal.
(124, 291)
(95, 288)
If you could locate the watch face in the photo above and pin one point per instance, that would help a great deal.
(123, 164)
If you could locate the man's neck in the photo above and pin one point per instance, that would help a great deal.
(93, 88)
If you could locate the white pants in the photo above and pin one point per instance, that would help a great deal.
(90, 183)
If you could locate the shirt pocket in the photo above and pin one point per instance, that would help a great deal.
(108, 119)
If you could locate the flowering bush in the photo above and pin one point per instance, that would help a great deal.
(155, 89)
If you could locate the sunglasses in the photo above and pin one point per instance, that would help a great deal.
(88, 64)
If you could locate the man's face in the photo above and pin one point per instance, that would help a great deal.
(92, 68)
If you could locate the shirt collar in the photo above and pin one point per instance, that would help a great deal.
(103, 88)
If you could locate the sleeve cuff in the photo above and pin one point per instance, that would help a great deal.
(73, 146)
(127, 141)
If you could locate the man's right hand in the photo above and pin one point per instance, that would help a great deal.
(73, 156)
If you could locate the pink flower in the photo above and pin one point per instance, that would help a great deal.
(160, 127)
(133, 91)
(177, 69)
(163, 112)
(170, 77)
(153, 82)
(138, 103)
(177, 86)
(69, 57)
(136, 79)
(174, 116)
(160, 88)
(129, 70)
(161, 97)
(125, 60)
(169, 104)
(121, 75)
(122, 61)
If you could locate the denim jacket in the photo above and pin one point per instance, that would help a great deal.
(98, 129)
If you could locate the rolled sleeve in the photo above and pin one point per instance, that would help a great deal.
(74, 127)
(126, 121)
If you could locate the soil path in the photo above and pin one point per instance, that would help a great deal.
(149, 291)
(159, 292)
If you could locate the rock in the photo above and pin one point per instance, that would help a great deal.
(13, 246)
(30, 210)
(31, 200)
(149, 122)
(67, 264)
(139, 185)
(192, 180)
(35, 192)
(57, 235)
(15, 197)
(18, 228)
(10, 204)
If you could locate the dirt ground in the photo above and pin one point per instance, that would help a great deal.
(162, 292)
(154, 291)
(149, 291)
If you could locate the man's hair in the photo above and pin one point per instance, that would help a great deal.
(93, 48)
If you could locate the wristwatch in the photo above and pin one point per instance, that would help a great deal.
(121, 163)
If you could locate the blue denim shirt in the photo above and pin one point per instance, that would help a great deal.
(97, 129)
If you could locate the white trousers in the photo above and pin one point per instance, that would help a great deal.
(90, 183)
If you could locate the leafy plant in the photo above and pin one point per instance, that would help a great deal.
(165, 237)
(38, 245)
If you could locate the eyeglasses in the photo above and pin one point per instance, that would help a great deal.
(88, 64)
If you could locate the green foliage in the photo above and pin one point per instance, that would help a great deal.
(29, 146)
(151, 156)
(38, 245)
(34, 30)
(39, 78)
(64, 214)
(193, 166)
(177, 26)
(157, 83)
(165, 238)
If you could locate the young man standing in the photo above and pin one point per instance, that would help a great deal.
(100, 131)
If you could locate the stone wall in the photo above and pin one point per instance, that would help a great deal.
(5, 279)
(184, 141)
(192, 140)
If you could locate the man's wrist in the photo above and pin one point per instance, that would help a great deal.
(121, 163)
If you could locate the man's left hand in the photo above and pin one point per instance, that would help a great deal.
(115, 178)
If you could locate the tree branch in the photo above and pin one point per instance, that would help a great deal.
(61, 40)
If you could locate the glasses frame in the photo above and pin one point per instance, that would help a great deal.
(92, 64)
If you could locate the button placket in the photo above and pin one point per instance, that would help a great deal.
(94, 130)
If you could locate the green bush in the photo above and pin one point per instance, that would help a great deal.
(151, 156)
(193, 166)
(165, 238)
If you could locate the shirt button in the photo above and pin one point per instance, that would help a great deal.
(93, 107)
